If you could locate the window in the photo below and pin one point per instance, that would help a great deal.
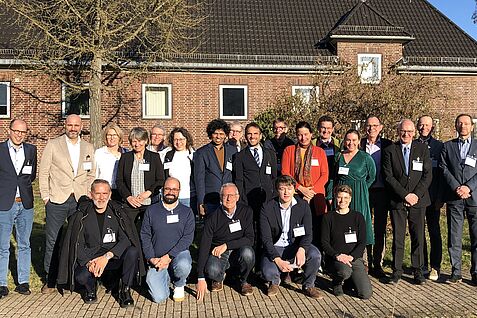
(74, 102)
(157, 101)
(233, 101)
(4, 99)
(306, 92)
(369, 68)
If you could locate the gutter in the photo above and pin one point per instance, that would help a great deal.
(373, 37)
(442, 70)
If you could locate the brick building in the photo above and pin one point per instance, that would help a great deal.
(253, 50)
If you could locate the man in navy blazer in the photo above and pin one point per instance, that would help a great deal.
(17, 172)
(213, 166)
(458, 163)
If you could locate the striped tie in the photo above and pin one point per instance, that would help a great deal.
(256, 156)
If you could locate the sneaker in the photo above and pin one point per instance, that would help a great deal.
(3, 291)
(455, 279)
(434, 275)
(272, 290)
(246, 289)
(23, 289)
(338, 290)
(419, 278)
(312, 292)
(217, 286)
(179, 294)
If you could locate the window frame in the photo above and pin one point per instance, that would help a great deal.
(245, 101)
(8, 105)
(64, 87)
(144, 86)
(360, 68)
(474, 132)
(295, 88)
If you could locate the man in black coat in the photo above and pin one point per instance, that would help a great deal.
(407, 170)
(100, 237)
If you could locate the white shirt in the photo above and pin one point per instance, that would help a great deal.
(74, 150)
(260, 153)
(180, 168)
(285, 214)
(106, 165)
(17, 155)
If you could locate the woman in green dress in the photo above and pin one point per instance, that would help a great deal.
(356, 168)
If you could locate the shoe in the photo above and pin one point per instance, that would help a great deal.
(312, 292)
(286, 278)
(125, 298)
(217, 286)
(434, 274)
(338, 290)
(3, 291)
(47, 290)
(455, 279)
(89, 297)
(246, 289)
(474, 279)
(179, 294)
(378, 272)
(23, 289)
(419, 278)
(394, 280)
(272, 290)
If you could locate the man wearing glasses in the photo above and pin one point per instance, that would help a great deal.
(17, 172)
(280, 141)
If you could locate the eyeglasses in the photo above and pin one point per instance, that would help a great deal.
(171, 189)
(229, 196)
(235, 131)
(111, 135)
(155, 135)
(406, 131)
(19, 132)
(279, 128)
(372, 126)
(179, 139)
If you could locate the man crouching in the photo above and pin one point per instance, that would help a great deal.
(100, 237)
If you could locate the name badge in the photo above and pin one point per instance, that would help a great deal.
(299, 231)
(470, 161)
(329, 152)
(172, 218)
(87, 165)
(167, 165)
(143, 167)
(435, 163)
(235, 226)
(343, 170)
(314, 162)
(351, 237)
(27, 170)
(109, 237)
(417, 165)
(268, 170)
(228, 165)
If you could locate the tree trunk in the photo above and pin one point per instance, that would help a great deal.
(95, 102)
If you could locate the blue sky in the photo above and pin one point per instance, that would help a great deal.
(460, 12)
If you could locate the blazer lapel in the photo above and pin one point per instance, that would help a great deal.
(278, 215)
(214, 157)
(64, 149)
(6, 154)
(400, 156)
(473, 148)
(456, 151)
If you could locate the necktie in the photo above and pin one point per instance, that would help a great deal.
(256, 156)
(406, 159)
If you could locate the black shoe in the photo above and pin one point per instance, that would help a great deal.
(474, 279)
(455, 279)
(378, 272)
(394, 280)
(3, 291)
(89, 297)
(23, 289)
(419, 278)
(338, 290)
(125, 298)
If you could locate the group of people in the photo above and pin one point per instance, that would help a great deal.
(282, 206)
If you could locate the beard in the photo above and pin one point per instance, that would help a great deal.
(170, 198)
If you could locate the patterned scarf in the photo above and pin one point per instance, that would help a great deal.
(303, 171)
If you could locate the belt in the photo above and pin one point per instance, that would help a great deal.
(18, 199)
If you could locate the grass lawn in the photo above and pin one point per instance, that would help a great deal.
(38, 245)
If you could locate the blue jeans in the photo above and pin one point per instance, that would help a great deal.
(242, 258)
(23, 220)
(178, 270)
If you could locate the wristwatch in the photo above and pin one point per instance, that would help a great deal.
(107, 255)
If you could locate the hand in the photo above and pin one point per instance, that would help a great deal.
(99, 264)
(219, 250)
(307, 192)
(133, 201)
(164, 261)
(283, 266)
(300, 257)
(202, 210)
(155, 262)
(345, 259)
(411, 199)
(201, 288)
(144, 195)
(463, 192)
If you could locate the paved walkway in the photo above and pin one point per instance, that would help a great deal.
(405, 300)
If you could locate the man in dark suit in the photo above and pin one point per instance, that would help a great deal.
(374, 145)
(458, 163)
(407, 170)
(17, 172)
(286, 229)
(213, 166)
(280, 141)
(425, 127)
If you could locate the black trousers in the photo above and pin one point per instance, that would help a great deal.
(128, 262)
(379, 204)
(415, 218)
(434, 229)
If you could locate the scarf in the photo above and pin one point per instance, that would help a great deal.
(303, 170)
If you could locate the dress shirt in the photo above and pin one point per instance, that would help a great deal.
(106, 165)
(375, 151)
(406, 150)
(17, 155)
(285, 213)
(74, 151)
(464, 146)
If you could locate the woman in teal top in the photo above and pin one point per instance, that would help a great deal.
(356, 168)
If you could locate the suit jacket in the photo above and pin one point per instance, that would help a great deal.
(437, 185)
(398, 183)
(208, 176)
(271, 226)
(56, 176)
(331, 163)
(456, 173)
(10, 180)
(153, 179)
(255, 185)
(384, 144)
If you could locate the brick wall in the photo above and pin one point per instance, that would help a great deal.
(391, 52)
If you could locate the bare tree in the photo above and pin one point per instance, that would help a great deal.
(474, 16)
(89, 44)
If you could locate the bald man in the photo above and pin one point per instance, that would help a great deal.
(66, 173)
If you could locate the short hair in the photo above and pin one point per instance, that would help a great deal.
(279, 120)
(373, 116)
(343, 188)
(463, 115)
(352, 131)
(217, 124)
(184, 132)
(284, 180)
(236, 123)
(13, 122)
(138, 133)
(404, 120)
(100, 181)
(254, 125)
(303, 124)
(117, 129)
(160, 127)
(226, 185)
(325, 118)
